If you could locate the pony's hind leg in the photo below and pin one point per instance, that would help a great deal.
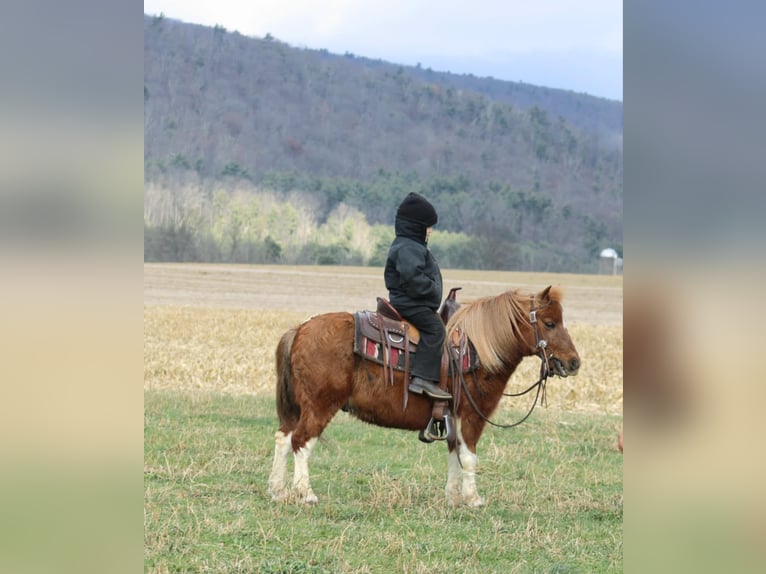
(301, 484)
(282, 450)
(303, 439)
(310, 391)
(301, 487)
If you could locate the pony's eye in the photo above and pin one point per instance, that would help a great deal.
(550, 324)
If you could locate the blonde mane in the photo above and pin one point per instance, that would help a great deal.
(493, 324)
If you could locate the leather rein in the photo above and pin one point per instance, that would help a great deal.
(541, 345)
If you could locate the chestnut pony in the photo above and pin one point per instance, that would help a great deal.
(318, 374)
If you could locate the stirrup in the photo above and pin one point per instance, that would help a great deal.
(438, 430)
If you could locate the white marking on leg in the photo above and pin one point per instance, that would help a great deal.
(279, 467)
(301, 484)
(470, 495)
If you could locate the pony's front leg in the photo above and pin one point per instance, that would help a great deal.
(301, 485)
(469, 459)
(279, 467)
(461, 477)
(454, 479)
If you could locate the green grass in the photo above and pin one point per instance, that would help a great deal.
(553, 488)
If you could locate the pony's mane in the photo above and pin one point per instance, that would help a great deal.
(493, 324)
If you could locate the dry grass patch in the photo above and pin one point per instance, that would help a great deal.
(223, 350)
(597, 388)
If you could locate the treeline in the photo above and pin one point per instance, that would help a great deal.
(300, 219)
(251, 226)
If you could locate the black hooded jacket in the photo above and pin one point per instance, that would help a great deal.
(412, 276)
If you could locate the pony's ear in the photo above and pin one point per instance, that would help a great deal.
(550, 294)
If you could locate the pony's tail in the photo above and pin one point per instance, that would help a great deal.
(287, 409)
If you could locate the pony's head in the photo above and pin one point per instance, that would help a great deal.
(551, 335)
(505, 328)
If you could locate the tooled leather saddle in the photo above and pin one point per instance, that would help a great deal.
(384, 337)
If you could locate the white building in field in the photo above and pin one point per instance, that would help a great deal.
(609, 262)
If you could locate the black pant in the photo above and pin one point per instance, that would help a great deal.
(428, 358)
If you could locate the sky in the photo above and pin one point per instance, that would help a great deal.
(568, 44)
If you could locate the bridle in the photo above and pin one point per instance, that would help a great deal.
(540, 345)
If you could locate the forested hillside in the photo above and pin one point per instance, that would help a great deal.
(258, 151)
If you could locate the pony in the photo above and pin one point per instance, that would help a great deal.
(319, 374)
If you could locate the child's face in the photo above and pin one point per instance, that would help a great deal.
(428, 233)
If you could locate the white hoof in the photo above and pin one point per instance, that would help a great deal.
(453, 497)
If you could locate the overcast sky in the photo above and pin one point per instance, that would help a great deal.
(574, 45)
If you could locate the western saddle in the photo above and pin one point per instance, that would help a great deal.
(385, 337)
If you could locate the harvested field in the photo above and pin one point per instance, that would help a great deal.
(215, 327)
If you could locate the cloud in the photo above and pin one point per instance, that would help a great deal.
(443, 26)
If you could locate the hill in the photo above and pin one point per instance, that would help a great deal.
(533, 170)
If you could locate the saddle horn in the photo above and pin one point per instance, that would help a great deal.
(450, 305)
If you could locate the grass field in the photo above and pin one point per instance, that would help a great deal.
(553, 485)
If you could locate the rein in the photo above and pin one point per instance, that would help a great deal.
(540, 345)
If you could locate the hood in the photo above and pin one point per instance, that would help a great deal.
(410, 229)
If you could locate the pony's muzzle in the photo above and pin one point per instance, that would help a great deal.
(566, 369)
(574, 365)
